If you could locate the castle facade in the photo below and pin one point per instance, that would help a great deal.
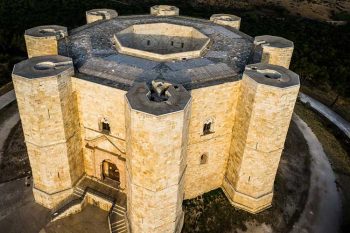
(160, 108)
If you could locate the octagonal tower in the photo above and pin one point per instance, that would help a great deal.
(157, 127)
(264, 110)
(226, 20)
(273, 50)
(100, 14)
(43, 40)
(164, 10)
(49, 115)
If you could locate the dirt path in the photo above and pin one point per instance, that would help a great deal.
(322, 212)
(9, 117)
(340, 122)
(6, 99)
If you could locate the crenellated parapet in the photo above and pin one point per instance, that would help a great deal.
(264, 110)
(43, 40)
(48, 110)
(100, 14)
(157, 120)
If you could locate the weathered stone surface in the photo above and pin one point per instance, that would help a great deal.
(164, 10)
(156, 162)
(261, 123)
(49, 114)
(172, 129)
(227, 20)
(100, 14)
(43, 40)
(273, 50)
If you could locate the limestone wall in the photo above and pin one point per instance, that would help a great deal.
(97, 102)
(259, 132)
(156, 161)
(51, 128)
(226, 20)
(217, 103)
(43, 40)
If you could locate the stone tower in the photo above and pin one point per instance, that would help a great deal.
(273, 50)
(157, 128)
(264, 110)
(100, 14)
(164, 10)
(43, 40)
(48, 111)
(226, 20)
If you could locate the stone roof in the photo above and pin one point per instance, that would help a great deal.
(96, 58)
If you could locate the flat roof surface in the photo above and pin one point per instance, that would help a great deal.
(96, 59)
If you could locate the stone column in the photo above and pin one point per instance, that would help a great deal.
(49, 115)
(264, 110)
(43, 40)
(100, 14)
(164, 10)
(226, 20)
(273, 50)
(157, 129)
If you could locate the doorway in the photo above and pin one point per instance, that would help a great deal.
(110, 171)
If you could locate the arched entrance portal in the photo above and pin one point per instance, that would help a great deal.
(110, 171)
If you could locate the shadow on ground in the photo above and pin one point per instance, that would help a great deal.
(212, 212)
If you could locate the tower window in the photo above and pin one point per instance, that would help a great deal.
(172, 43)
(204, 159)
(105, 127)
(182, 45)
(148, 42)
(207, 128)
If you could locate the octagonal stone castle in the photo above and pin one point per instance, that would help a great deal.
(134, 114)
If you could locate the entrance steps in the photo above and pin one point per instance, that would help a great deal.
(105, 196)
(118, 220)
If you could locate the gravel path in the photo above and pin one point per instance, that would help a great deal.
(322, 212)
(340, 122)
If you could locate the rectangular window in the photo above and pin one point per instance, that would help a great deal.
(105, 127)
(206, 128)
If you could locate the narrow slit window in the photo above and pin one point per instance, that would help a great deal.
(182, 45)
(207, 128)
(204, 159)
(105, 127)
(172, 43)
(148, 42)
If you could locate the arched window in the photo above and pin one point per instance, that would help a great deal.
(204, 159)
(104, 126)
